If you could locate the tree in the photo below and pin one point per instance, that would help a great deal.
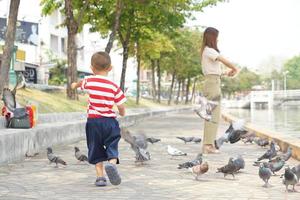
(9, 44)
(74, 11)
(293, 68)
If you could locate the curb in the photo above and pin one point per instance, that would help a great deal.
(284, 141)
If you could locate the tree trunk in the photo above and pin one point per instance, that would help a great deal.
(158, 80)
(9, 44)
(115, 27)
(178, 92)
(182, 90)
(72, 27)
(171, 87)
(187, 90)
(193, 91)
(153, 79)
(138, 73)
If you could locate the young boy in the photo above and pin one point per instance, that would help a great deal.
(102, 128)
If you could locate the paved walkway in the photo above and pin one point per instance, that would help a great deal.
(159, 179)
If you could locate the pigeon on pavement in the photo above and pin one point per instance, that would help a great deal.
(175, 152)
(261, 142)
(200, 169)
(265, 174)
(53, 158)
(197, 140)
(275, 165)
(269, 154)
(189, 164)
(296, 170)
(239, 163)
(186, 139)
(138, 144)
(153, 140)
(227, 169)
(80, 156)
(289, 178)
(287, 155)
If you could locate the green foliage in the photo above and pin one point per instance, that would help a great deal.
(293, 76)
(58, 73)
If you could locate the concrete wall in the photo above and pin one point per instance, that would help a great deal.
(57, 128)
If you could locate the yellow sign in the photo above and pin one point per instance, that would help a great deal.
(20, 54)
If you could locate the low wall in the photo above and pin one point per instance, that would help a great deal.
(283, 140)
(58, 128)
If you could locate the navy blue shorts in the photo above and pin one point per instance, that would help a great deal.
(102, 136)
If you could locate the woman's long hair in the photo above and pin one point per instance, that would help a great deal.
(210, 39)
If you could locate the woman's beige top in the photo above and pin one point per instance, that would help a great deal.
(209, 62)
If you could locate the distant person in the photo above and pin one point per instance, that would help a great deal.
(33, 37)
(102, 128)
(211, 67)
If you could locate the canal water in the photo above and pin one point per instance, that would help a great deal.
(284, 120)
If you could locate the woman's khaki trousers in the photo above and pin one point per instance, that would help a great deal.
(212, 91)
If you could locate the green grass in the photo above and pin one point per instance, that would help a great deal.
(48, 102)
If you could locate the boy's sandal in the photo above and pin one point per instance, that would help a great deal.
(112, 174)
(101, 182)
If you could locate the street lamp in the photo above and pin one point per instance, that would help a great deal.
(284, 83)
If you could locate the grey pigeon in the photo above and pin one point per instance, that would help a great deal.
(248, 138)
(53, 158)
(233, 134)
(261, 142)
(289, 178)
(296, 170)
(186, 139)
(275, 165)
(265, 174)
(189, 164)
(206, 108)
(227, 169)
(286, 156)
(80, 156)
(197, 140)
(269, 154)
(153, 140)
(239, 163)
(138, 144)
(175, 152)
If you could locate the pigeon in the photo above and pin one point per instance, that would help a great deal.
(286, 156)
(206, 108)
(248, 138)
(290, 178)
(175, 152)
(239, 163)
(261, 142)
(296, 170)
(275, 165)
(197, 140)
(228, 169)
(265, 174)
(138, 144)
(270, 153)
(200, 169)
(189, 164)
(186, 139)
(233, 134)
(79, 156)
(53, 158)
(153, 140)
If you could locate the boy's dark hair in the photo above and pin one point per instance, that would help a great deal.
(101, 60)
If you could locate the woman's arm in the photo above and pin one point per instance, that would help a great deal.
(228, 64)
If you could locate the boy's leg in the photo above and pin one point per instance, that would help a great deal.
(99, 169)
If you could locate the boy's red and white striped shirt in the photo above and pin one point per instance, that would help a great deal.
(103, 94)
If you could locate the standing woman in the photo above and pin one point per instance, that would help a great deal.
(211, 67)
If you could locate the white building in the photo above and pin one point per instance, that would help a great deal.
(40, 36)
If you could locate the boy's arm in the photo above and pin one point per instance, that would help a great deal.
(121, 109)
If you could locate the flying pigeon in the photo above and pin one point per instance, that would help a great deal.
(175, 152)
(80, 156)
(206, 108)
(289, 178)
(189, 164)
(200, 169)
(233, 134)
(227, 169)
(153, 140)
(186, 139)
(239, 163)
(197, 140)
(270, 153)
(261, 142)
(138, 144)
(265, 174)
(53, 158)
(296, 170)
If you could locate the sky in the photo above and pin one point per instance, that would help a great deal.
(255, 33)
